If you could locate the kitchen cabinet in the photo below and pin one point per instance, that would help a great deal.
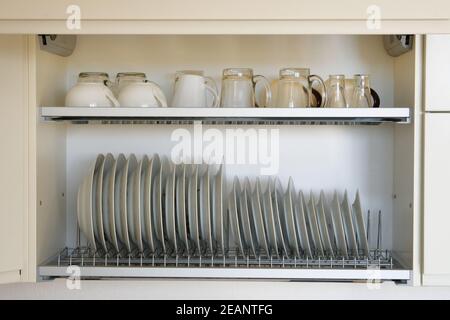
(436, 204)
(14, 159)
(374, 152)
(437, 73)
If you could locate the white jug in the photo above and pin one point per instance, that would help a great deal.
(136, 91)
(190, 90)
(91, 90)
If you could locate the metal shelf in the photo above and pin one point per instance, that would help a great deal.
(379, 265)
(275, 116)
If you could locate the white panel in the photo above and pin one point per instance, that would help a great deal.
(13, 162)
(436, 194)
(225, 10)
(51, 158)
(437, 72)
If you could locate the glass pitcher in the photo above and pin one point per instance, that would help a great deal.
(361, 96)
(295, 88)
(336, 91)
(238, 89)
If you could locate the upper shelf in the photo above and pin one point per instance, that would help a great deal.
(228, 115)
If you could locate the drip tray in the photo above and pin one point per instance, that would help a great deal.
(85, 263)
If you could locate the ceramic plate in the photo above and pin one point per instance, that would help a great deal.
(323, 226)
(350, 234)
(130, 211)
(205, 211)
(148, 226)
(314, 225)
(120, 165)
(338, 227)
(99, 230)
(109, 182)
(269, 219)
(181, 205)
(169, 210)
(137, 212)
(258, 220)
(300, 215)
(360, 225)
(218, 216)
(245, 214)
(85, 203)
(159, 166)
(289, 203)
(193, 203)
(277, 203)
(234, 218)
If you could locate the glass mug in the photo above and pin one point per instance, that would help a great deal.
(238, 89)
(362, 95)
(336, 92)
(191, 88)
(295, 88)
(134, 90)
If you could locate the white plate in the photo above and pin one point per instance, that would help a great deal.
(85, 202)
(120, 165)
(217, 213)
(234, 217)
(338, 227)
(277, 202)
(137, 212)
(169, 210)
(126, 199)
(148, 225)
(323, 226)
(258, 220)
(133, 233)
(269, 219)
(360, 225)
(109, 179)
(181, 205)
(193, 207)
(352, 244)
(299, 210)
(99, 230)
(205, 211)
(157, 197)
(289, 214)
(245, 214)
(314, 225)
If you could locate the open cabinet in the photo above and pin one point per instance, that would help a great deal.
(376, 152)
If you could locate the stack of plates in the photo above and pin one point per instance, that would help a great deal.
(277, 223)
(153, 205)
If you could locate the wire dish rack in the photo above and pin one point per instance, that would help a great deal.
(378, 265)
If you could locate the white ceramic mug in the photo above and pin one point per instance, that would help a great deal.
(91, 90)
(191, 88)
(142, 94)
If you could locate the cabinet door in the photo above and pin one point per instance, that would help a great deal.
(437, 200)
(437, 73)
(13, 159)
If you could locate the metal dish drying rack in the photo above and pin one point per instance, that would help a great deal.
(378, 265)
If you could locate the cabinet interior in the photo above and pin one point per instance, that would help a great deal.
(378, 160)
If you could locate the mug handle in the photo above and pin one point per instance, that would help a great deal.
(312, 78)
(111, 97)
(257, 78)
(159, 94)
(211, 86)
(375, 98)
